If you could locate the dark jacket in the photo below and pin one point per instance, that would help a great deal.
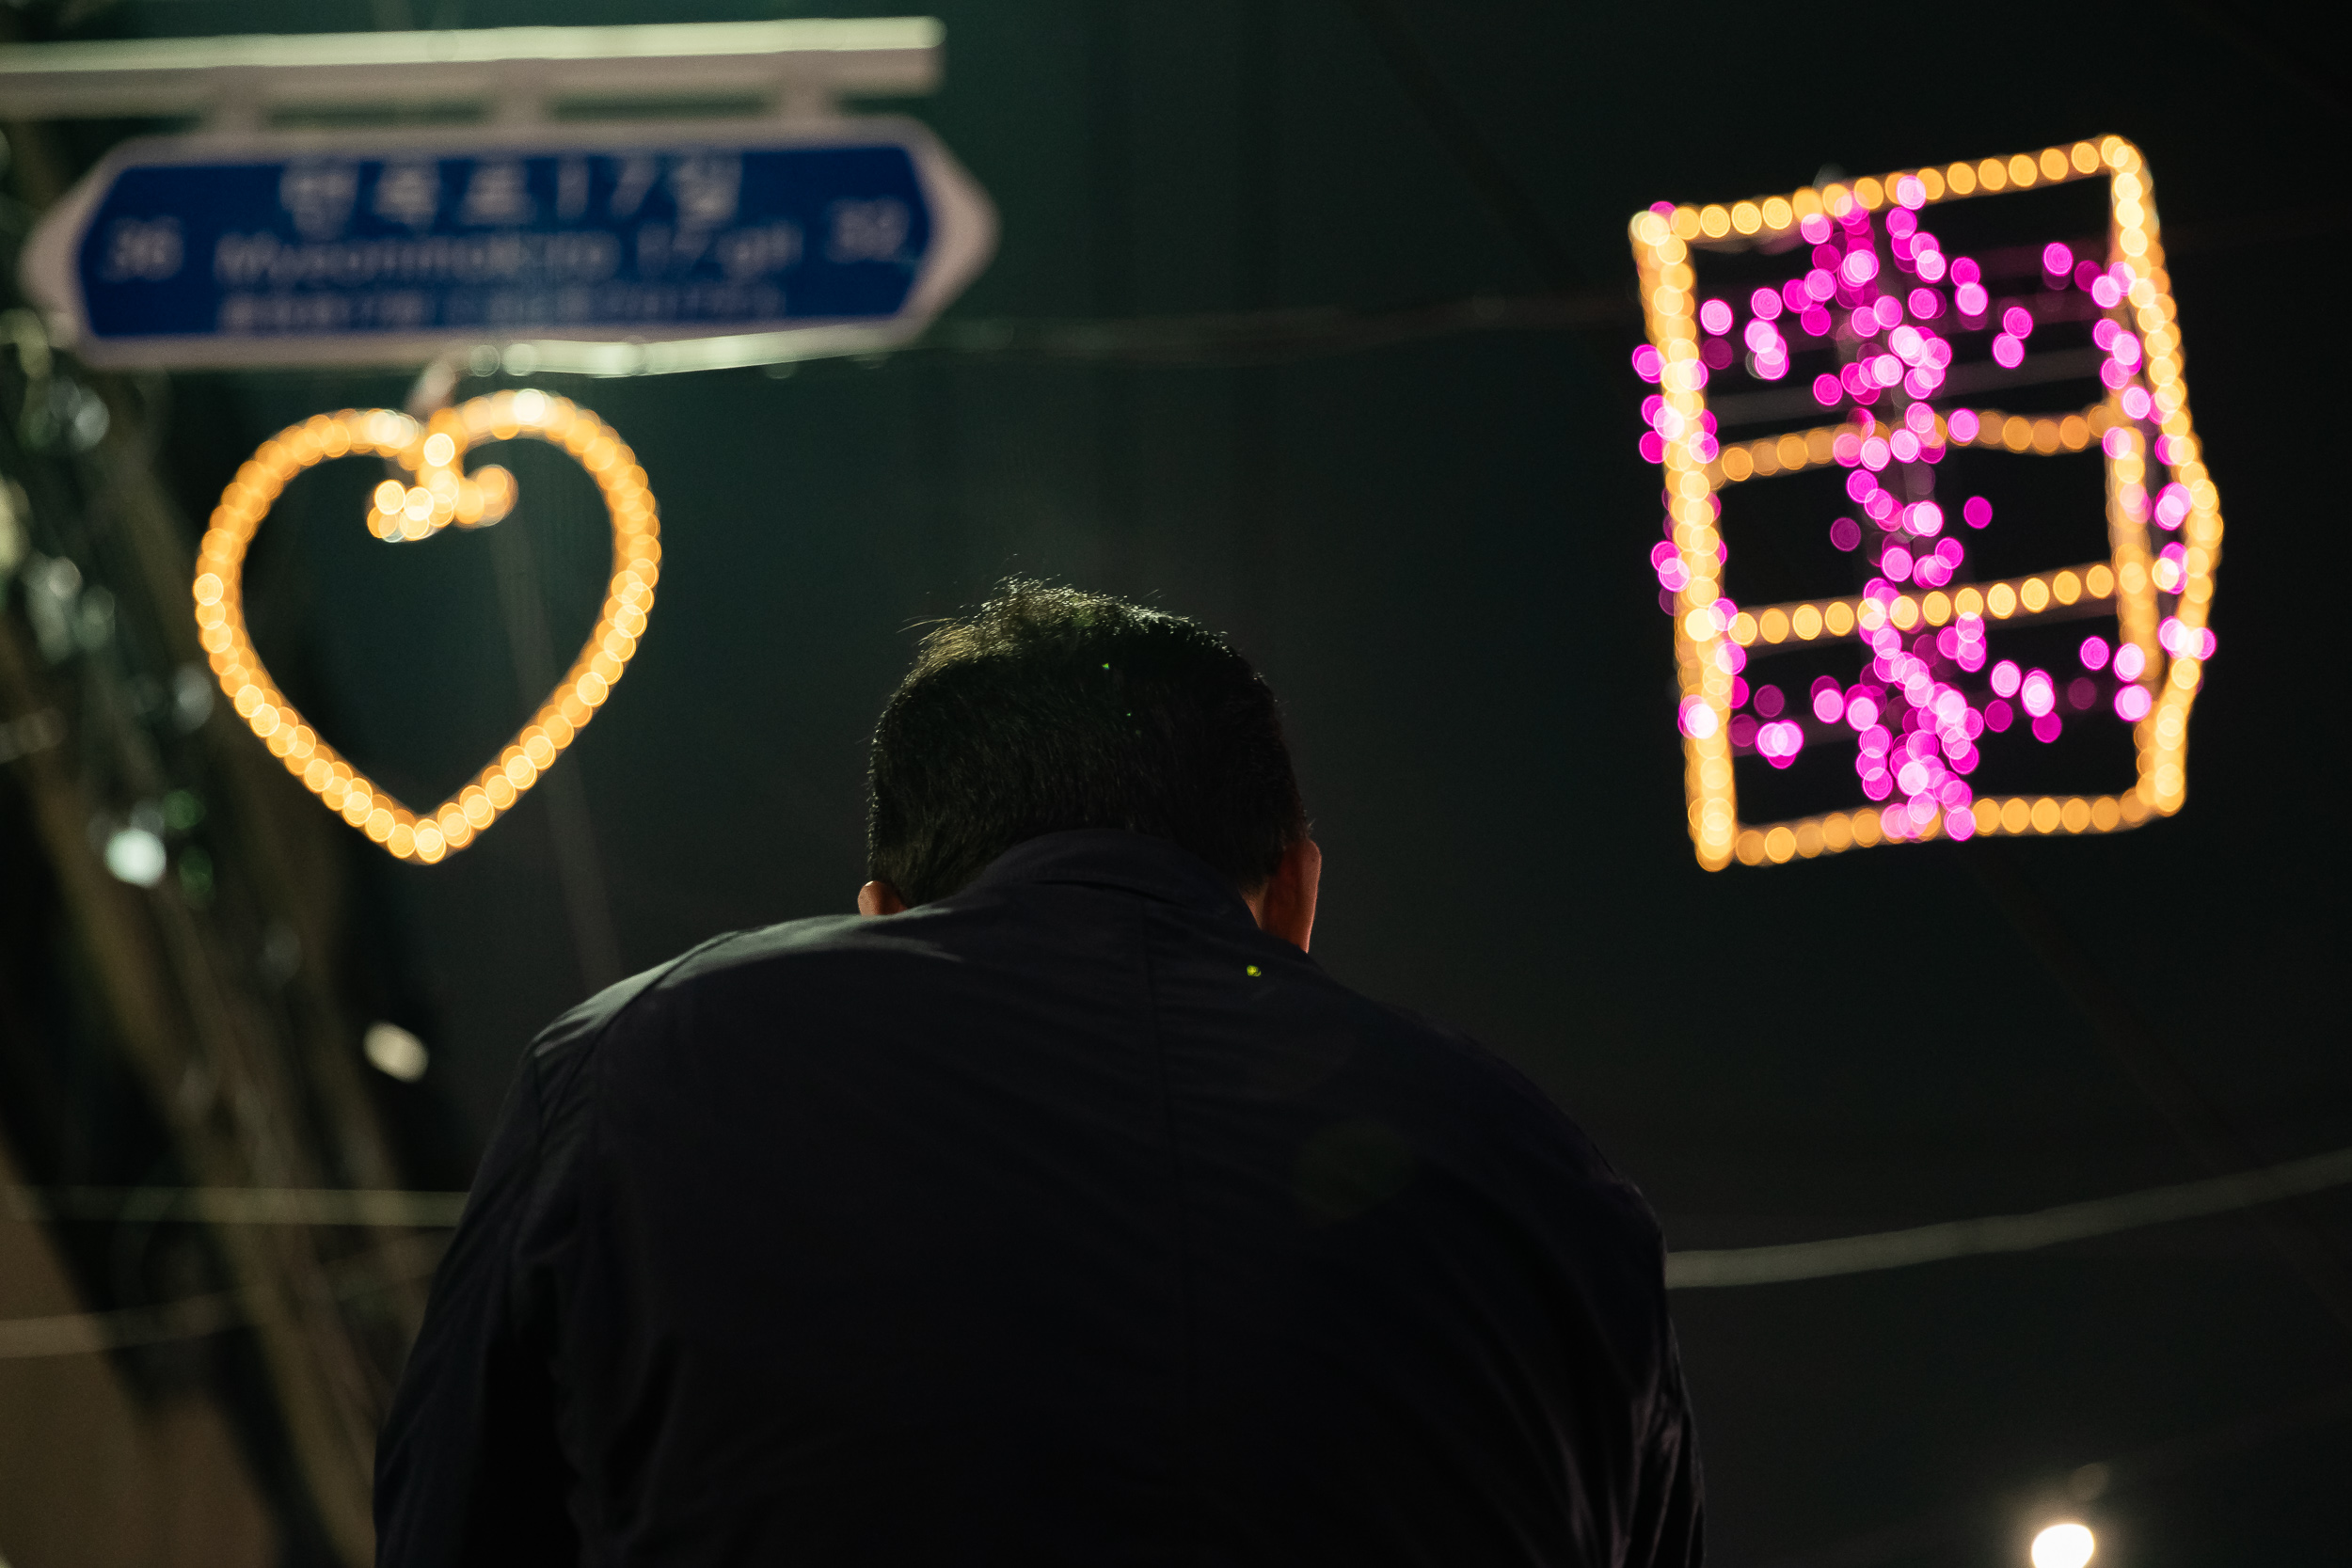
(1069, 1220)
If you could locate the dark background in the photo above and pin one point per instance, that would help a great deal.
(1437, 552)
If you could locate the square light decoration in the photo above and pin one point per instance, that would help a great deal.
(1977, 368)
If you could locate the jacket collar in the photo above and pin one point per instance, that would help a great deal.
(1111, 857)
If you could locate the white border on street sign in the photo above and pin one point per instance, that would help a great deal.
(519, 70)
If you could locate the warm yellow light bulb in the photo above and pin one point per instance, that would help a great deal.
(1694, 477)
(415, 511)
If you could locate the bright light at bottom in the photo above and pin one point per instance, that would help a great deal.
(397, 1054)
(2067, 1546)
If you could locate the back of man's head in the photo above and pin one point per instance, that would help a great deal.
(1048, 710)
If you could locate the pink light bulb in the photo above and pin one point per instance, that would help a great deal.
(2037, 695)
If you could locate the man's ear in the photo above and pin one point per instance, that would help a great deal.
(1285, 907)
(879, 898)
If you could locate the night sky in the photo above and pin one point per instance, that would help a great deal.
(1436, 551)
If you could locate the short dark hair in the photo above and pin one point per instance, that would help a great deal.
(1048, 710)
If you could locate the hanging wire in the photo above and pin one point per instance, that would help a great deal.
(1697, 1270)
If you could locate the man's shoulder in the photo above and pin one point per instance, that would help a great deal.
(762, 982)
(765, 955)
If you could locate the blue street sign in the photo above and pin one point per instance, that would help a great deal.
(279, 248)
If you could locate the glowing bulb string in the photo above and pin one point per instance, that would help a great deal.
(1884, 297)
(442, 496)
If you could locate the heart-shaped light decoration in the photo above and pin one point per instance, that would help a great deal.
(442, 495)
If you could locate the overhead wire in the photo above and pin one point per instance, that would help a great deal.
(85, 1332)
(2154, 1068)
(1504, 192)
(2000, 1234)
(1203, 341)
